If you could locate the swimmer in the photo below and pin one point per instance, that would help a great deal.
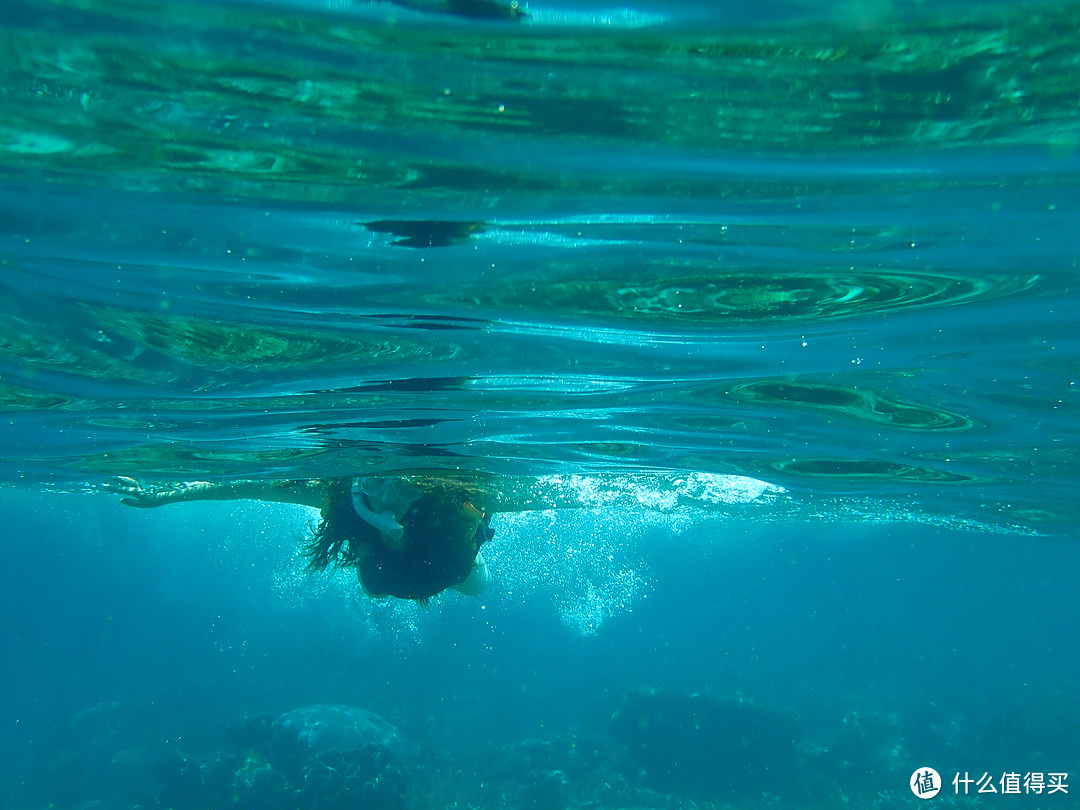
(409, 537)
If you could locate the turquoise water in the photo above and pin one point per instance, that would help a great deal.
(798, 276)
(832, 248)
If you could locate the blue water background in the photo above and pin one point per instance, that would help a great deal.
(937, 620)
(953, 650)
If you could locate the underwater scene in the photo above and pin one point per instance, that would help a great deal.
(574, 405)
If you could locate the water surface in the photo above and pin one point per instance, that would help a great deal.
(835, 257)
(755, 284)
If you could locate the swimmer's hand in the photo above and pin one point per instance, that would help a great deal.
(135, 495)
(307, 492)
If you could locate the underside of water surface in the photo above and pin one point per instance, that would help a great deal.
(831, 250)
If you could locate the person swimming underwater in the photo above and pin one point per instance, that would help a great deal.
(406, 537)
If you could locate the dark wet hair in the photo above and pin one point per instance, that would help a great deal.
(342, 537)
(441, 538)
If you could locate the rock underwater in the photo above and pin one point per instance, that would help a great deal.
(328, 757)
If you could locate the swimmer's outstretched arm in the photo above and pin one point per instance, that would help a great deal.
(306, 492)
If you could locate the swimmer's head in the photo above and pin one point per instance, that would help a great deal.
(442, 533)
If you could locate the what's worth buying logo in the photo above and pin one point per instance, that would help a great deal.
(926, 783)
